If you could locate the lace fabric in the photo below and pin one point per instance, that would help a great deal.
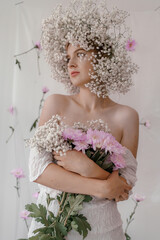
(102, 214)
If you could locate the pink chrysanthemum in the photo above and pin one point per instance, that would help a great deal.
(24, 214)
(18, 173)
(73, 134)
(112, 145)
(96, 138)
(118, 161)
(80, 145)
(130, 46)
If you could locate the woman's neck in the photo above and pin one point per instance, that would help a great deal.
(90, 101)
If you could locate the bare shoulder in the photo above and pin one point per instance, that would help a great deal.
(53, 104)
(129, 121)
(127, 113)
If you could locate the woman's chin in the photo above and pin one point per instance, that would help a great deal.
(78, 83)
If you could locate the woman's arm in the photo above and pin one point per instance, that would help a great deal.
(95, 171)
(58, 178)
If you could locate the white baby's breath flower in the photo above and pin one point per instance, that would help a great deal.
(99, 29)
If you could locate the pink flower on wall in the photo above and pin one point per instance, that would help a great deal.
(147, 124)
(35, 195)
(38, 45)
(18, 173)
(45, 89)
(138, 198)
(11, 109)
(130, 46)
(24, 214)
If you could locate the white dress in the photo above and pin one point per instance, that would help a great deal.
(102, 214)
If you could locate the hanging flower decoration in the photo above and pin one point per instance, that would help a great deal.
(146, 123)
(136, 198)
(37, 46)
(35, 195)
(44, 91)
(130, 46)
(25, 215)
(11, 110)
(18, 174)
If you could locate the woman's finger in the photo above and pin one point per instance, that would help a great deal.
(57, 157)
(60, 163)
(124, 196)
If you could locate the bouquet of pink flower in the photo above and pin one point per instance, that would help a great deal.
(98, 145)
(102, 148)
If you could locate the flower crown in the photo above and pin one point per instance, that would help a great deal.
(92, 26)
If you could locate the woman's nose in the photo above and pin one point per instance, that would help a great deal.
(72, 63)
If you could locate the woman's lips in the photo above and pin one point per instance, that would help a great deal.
(74, 74)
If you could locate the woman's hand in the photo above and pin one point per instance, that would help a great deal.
(115, 187)
(74, 161)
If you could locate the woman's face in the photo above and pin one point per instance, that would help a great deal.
(79, 61)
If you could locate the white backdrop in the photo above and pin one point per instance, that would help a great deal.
(20, 26)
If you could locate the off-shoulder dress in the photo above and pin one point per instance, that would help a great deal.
(102, 214)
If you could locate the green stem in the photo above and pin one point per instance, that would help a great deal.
(40, 106)
(10, 135)
(24, 52)
(60, 210)
(71, 209)
(26, 224)
(17, 186)
(95, 153)
(131, 216)
(63, 197)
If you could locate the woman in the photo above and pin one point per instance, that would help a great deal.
(83, 74)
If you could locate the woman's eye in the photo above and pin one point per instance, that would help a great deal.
(78, 54)
(81, 54)
(68, 60)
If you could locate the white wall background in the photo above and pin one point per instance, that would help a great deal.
(20, 25)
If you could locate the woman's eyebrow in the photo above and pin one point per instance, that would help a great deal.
(76, 51)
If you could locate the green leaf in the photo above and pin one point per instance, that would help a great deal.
(45, 237)
(127, 236)
(40, 230)
(58, 233)
(83, 225)
(76, 203)
(38, 212)
(87, 198)
(61, 228)
(74, 225)
(59, 199)
(18, 63)
(34, 124)
(51, 214)
(49, 199)
(34, 237)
